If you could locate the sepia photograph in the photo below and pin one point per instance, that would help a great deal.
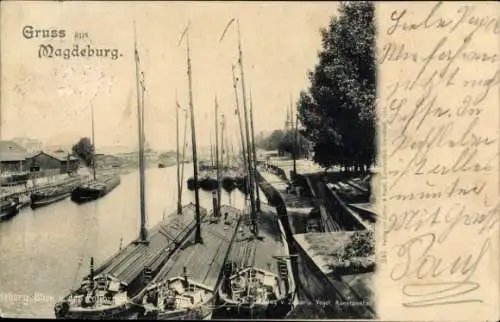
(188, 160)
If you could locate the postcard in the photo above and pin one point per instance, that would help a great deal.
(249, 160)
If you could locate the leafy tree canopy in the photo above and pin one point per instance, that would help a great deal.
(85, 150)
(284, 142)
(338, 110)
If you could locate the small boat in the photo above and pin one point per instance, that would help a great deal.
(241, 183)
(179, 298)
(97, 296)
(49, 195)
(95, 189)
(9, 208)
(256, 293)
(228, 180)
(228, 183)
(208, 183)
(190, 184)
(161, 165)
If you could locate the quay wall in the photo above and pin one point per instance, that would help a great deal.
(349, 217)
(336, 208)
(334, 212)
(330, 294)
(315, 287)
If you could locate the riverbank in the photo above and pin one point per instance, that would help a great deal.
(43, 182)
(315, 235)
(39, 184)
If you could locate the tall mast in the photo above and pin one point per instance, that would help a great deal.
(221, 156)
(296, 144)
(222, 139)
(198, 238)
(217, 154)
(179, 206)
(294, 132)
(257, 201)
(226, 147)
(240, 123)
(211, 151)
(93, 139)
(184, 144)
(232, 150)
(140, 116)
(247, 133)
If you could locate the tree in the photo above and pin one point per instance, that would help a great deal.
(85, 150)
(284, 143)
(338, 110)
(272, 141)
(288, 141)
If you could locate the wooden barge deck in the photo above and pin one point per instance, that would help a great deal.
(128, 264)
(203, 262)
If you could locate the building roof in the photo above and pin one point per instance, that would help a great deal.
(58, 155)
(62, 155)
(10, 151)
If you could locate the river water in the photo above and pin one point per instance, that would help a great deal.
(46, 252)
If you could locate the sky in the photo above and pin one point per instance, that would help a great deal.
(50, 99)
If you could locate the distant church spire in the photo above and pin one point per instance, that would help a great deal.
(289, 116)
